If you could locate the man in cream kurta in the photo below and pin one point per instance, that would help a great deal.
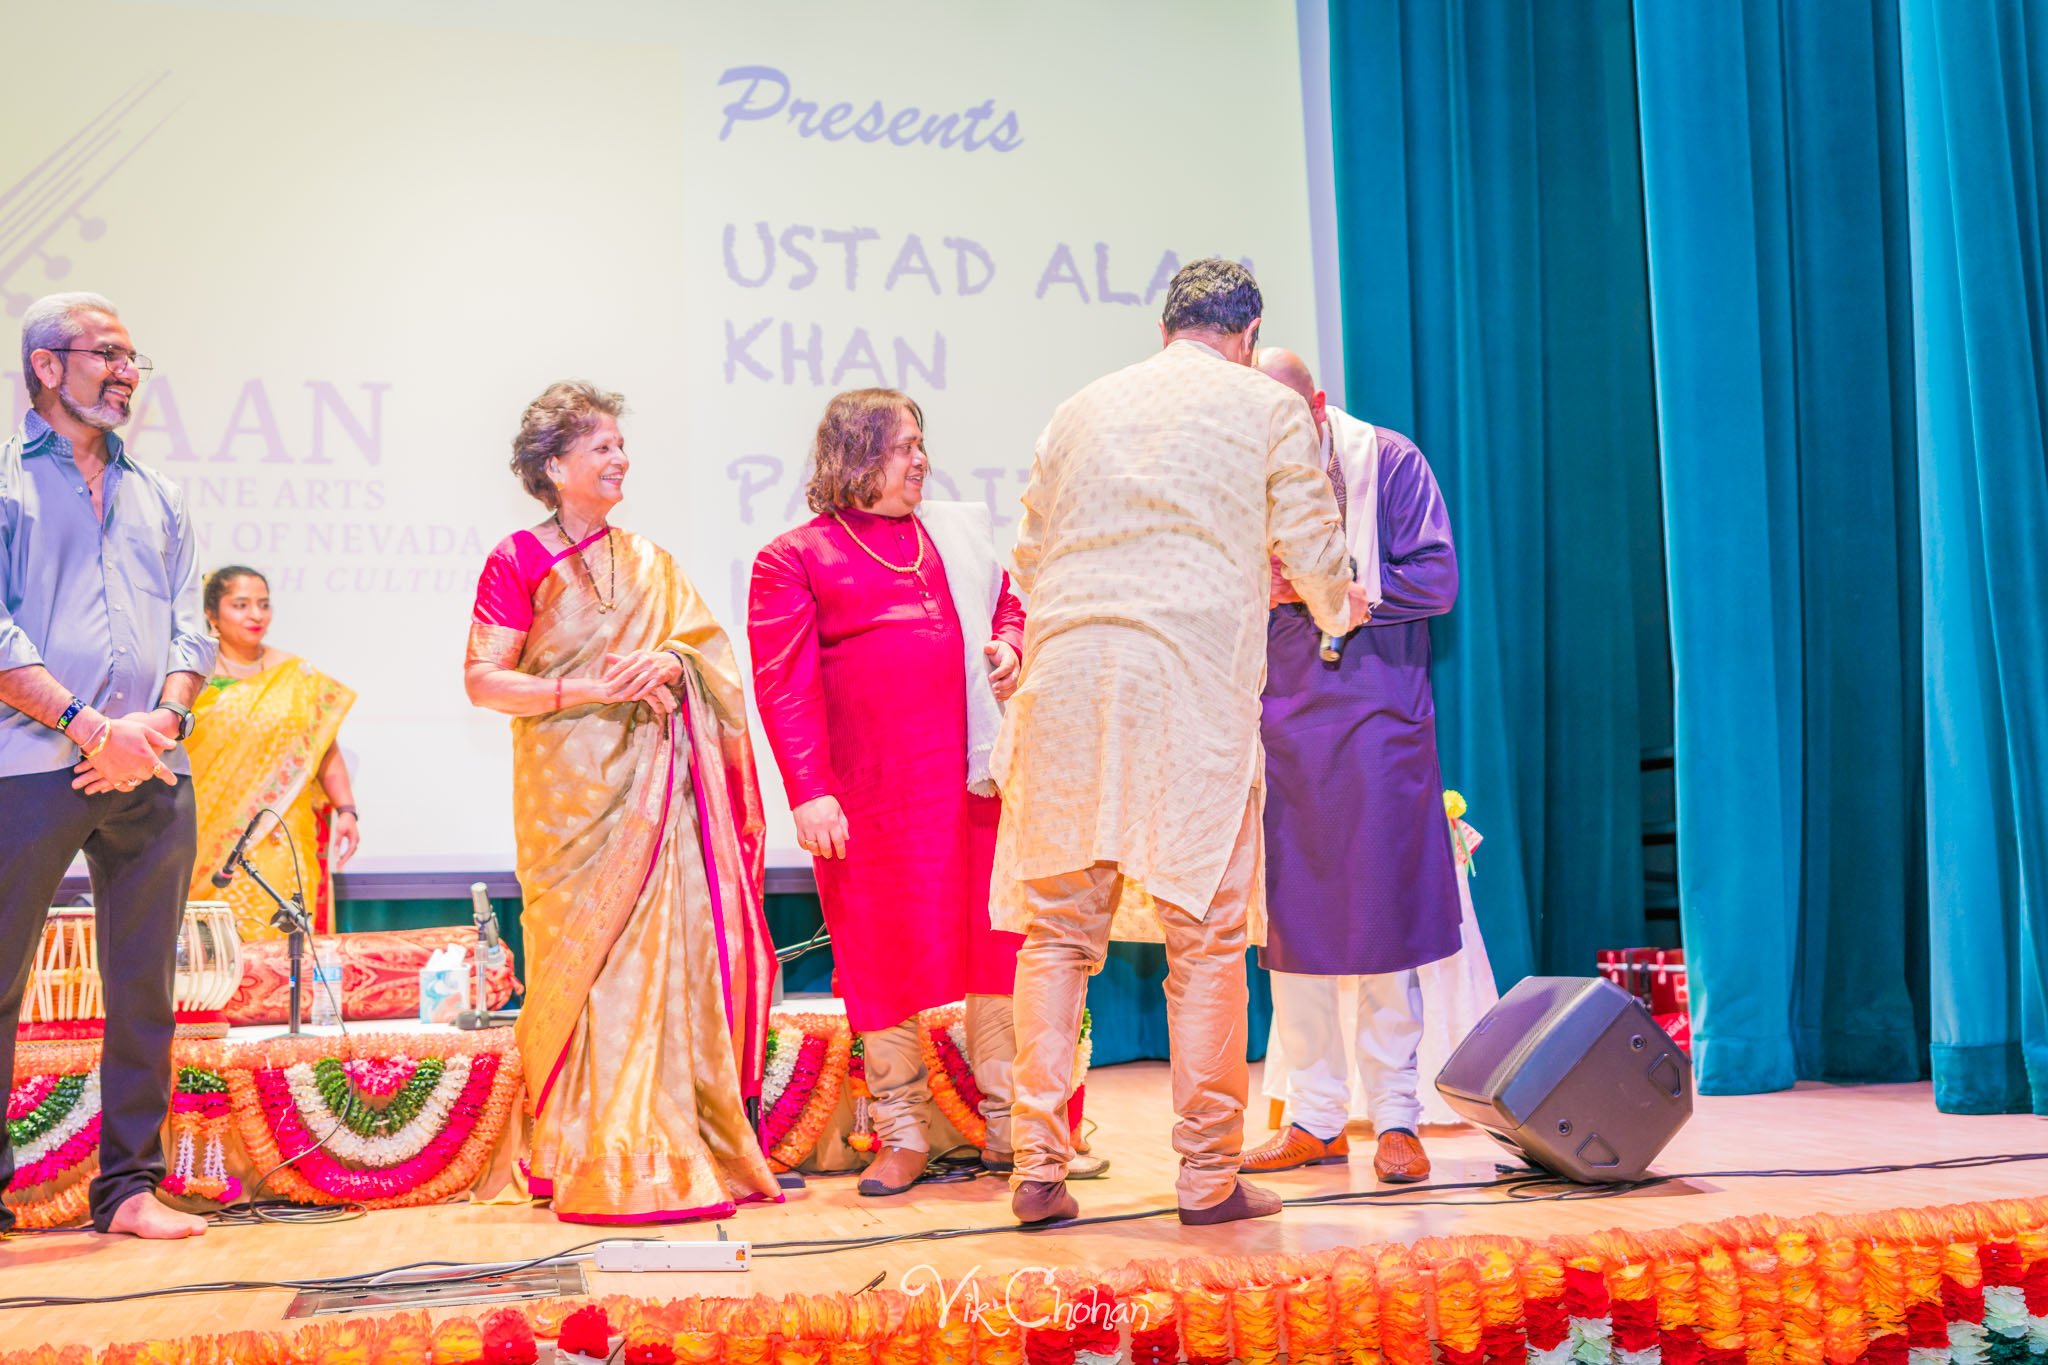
(1129, 761)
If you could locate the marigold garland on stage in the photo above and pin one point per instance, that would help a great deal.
(1963, 1285)
(403, 1118)
(282, 1109)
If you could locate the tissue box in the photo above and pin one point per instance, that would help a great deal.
(444, 990)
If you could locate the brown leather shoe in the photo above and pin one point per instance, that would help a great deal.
(1043, 1201)
(894, 1170)
(1400, 1159)
(1246, 1201)
(1295, 1148)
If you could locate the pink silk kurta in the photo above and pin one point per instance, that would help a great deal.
(859, 672)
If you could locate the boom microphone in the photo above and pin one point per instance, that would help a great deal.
(227, 869)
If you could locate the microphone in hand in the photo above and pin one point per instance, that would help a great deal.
(1330, 648)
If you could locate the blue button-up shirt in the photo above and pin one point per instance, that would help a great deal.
(109, 606)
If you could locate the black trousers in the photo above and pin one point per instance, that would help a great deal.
(139, 846)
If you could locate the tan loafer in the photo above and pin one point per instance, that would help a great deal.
(1245, 1201)
(1400, 1159)
(1078, 1168)
(894, 1170)
(1295, 1148)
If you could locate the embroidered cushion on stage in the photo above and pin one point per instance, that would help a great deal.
(380, 975)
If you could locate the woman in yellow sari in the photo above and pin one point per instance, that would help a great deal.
(263, 735)
(640, 848)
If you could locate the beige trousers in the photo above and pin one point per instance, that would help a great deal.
(896, 1075)
(1205, 1014)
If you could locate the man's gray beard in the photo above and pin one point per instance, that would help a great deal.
(101, 417)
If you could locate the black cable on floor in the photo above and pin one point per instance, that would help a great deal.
(1527, 1186)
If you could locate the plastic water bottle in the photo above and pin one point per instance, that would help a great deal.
(324, 982)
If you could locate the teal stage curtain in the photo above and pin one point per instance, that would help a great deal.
(1774, 196)
(1976, 132)
(1734, 311)
(1496, 309)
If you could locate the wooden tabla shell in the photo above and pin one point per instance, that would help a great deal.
(64, 984)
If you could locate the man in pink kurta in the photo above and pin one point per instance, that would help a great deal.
(861, 671)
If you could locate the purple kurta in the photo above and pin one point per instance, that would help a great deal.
(1359, 872)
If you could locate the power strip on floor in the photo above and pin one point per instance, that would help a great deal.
(639, 1256)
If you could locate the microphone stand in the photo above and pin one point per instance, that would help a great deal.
(289, 917)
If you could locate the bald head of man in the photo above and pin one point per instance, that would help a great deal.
(1291, 370)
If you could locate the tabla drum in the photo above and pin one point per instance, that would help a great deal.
(209, 958)
(65, 982)
(64, 985)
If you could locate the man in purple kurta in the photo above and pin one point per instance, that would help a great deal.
(1360, 876)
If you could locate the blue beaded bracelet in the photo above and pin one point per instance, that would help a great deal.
(70, 714)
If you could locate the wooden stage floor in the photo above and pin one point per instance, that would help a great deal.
(1811, 1127)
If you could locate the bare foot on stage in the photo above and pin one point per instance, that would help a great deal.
(142, 1215)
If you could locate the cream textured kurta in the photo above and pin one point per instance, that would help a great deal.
(1157, 495)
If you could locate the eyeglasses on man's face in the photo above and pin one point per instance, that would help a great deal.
(113, 357)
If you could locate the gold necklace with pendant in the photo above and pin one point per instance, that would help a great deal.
(611, 560)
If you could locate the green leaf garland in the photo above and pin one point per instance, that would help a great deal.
(51, 1112)
(369, 1120)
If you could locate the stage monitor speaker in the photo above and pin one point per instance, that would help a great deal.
(1571, 1073)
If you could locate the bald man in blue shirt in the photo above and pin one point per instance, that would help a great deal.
(103, 648)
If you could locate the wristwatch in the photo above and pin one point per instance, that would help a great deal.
(186, 720)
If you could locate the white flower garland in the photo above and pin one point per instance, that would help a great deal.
(1652, 1356)
(83, 1112)
(1927, 1355)
(789, 1043)
(1559, 1354)
(1591, 1341)
(2005, 1310)
(1967, 1344)
(347, 1145)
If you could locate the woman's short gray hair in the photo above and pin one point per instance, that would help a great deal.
(52, 323)
(552, 424)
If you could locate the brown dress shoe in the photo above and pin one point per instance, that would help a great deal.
(1400, 1159)
(1246, 1201)
(1295, 1148)
(894, 1170)
(1043, 1201)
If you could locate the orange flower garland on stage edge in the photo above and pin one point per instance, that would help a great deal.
(1963, 1285)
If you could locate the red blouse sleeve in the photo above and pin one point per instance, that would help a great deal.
(782, 635)
(504, 593)
(1008, 625)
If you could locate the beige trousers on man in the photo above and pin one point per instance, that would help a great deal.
(896, 1075)
(1205, 1015)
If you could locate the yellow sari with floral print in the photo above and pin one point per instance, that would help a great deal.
(258, 742)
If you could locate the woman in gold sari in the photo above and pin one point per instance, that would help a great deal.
(263, 735)
(639, 844)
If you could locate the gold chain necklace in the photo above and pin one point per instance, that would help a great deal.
(611, 561)
(915, 530)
